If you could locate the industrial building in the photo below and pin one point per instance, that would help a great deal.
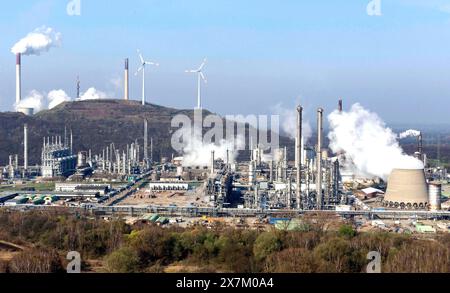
(101, 189)
(57, 158)
(168, 186)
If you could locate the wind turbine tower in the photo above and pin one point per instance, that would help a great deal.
(200, 76)
(142, 68)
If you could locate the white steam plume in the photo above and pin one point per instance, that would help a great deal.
(369, 145)
(40, 101)
(57, 97)
(197, 153)
(288, 122)
(34, 100)
(93, 94)
(37, 42)
(409, 133)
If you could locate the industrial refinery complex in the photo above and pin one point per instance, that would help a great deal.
(130, 182)
(256, 184)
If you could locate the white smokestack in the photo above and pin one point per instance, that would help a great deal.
(145, 141)
(212, 162)
(298, 151)
(126, 80)
(35, 43)
(319, 157)
(18, 79)
(25, 147)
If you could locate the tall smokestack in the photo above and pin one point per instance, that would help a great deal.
(340, 105)
(78, 87)
(145, 141)
(420, 144)
(212, 162)
(299, 157)
(319, 158)
(71, 141)
(151, 149)
(18, 78)
(126, 80)
(25, 147)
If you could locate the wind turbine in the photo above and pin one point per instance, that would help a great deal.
(200, 76)
(142, 68)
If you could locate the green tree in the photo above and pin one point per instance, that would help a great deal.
(265, 244)
(347, 231)
(123, 260)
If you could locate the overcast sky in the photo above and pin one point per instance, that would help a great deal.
(260, 53)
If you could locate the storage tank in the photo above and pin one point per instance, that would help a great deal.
(407, 189)
(434, 193)
(26, 111)
(81, 159)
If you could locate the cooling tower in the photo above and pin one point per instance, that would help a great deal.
(26, 111)
(407, 189)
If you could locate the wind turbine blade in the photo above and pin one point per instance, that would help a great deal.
(203, 65)
(203, 77)
(139, 70)
(151, 63)
(140, 56)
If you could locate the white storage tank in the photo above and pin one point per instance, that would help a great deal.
(434, 194)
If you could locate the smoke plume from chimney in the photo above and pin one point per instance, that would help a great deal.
(370, 147)
(37, 42)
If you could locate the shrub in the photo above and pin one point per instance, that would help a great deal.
(294, 260)
(152, 244)
(265, 244)
(347, 231)
(36, 261)
(341, 256)
(123, 260)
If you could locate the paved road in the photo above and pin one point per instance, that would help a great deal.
(216, 212)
